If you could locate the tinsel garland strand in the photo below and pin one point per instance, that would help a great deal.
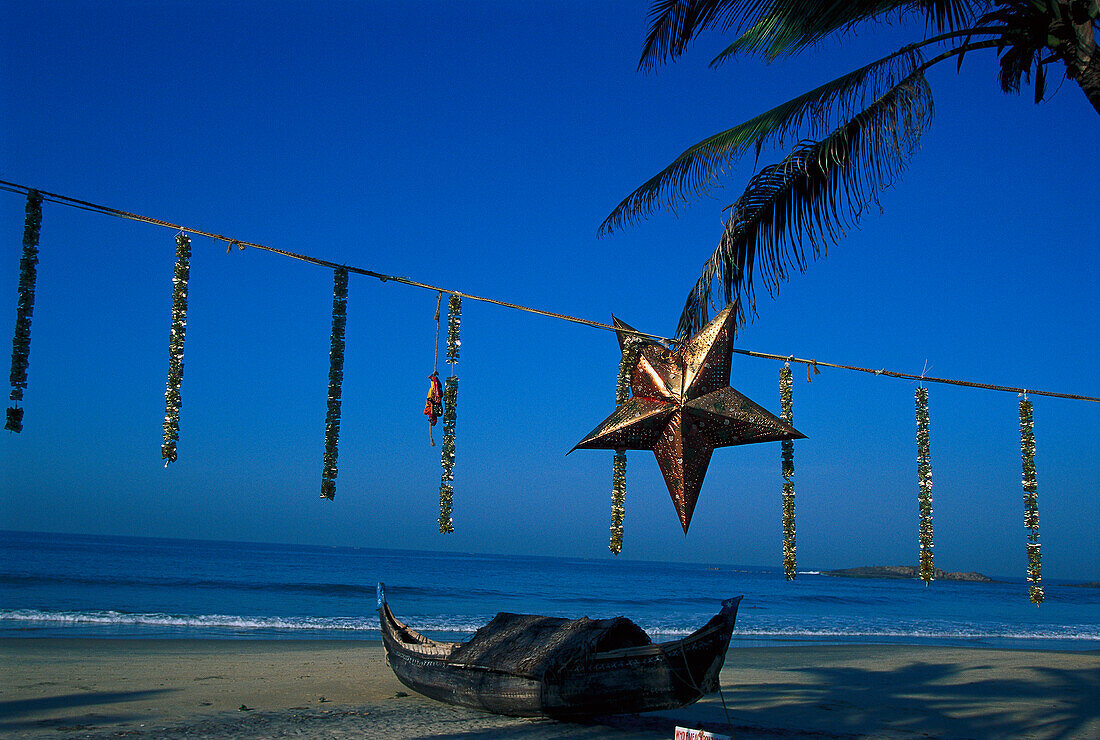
(618, 501)
(450, 414)
(172, 398)
(786, 403)
(21, 339)
(454, 326)
(335, 381)
(447, 459)
(632, 345)
(1031, 502)
(924, 483)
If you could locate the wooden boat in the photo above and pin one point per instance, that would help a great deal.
(527, 666)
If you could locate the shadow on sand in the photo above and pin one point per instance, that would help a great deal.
(11, 711)
(927, 698)
(913, 698)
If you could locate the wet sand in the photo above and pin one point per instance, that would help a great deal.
(77, 688)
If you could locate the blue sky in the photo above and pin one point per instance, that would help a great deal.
(478, 147)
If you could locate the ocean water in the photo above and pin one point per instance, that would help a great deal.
(54, 585)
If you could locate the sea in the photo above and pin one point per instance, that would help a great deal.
(64, 585)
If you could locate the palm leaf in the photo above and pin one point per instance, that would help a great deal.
(807, 201)
(811, 115)
(789, 26)
(1020, 48)
(673, 24)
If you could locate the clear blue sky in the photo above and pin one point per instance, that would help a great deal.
(478, 146)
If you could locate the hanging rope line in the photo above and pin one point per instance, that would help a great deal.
(435, 357)
(241, 244)
(909, 376)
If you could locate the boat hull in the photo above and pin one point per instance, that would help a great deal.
(636, 679)
(484, 689)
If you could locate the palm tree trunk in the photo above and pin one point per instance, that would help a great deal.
(1083, 66)
(1089, 80)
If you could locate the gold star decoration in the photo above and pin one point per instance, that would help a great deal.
(683, 408)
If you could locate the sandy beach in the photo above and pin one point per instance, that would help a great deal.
(76, 688)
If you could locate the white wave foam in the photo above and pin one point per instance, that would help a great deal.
(109, 618)
(470, 624)
(195, 621)
(960, 634)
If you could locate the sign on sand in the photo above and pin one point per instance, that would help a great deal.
(683, 733)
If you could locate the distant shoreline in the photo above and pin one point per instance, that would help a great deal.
(907, 572)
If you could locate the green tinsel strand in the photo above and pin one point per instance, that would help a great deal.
(450, 415)
(21, 339)
(1031, 502)
(335, 381)
(447, 458)
(618, 501)
(172, 398)
(632, 345)
(786, 402)
(924, 483)
(454, 325)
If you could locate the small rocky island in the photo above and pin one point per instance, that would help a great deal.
(905, 571)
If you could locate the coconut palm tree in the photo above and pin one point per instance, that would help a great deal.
(854, 134)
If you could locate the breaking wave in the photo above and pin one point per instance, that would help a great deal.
(363, 627)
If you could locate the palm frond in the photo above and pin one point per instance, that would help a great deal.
(807, 201)
(810, 115)
(674, 23)
(782, 25)
(1030, 29)
(788, 26)
(1015, 65)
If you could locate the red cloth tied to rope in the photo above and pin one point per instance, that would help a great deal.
(433, 406)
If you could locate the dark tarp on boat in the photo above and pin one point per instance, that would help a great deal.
(536, 646)
(535, 666)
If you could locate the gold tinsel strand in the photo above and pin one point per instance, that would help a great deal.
(618, 501)
(450, 415)
(454, 326)
(786, 402)
(172, 398)
(924, 483)
(632, 345)
(1031, 502)
(335, 381)
(447, 459)
(21, 338)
